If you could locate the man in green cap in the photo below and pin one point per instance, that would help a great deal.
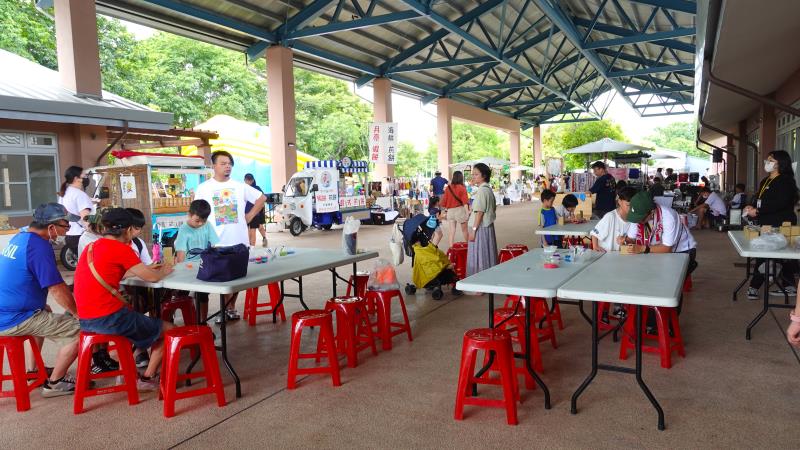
(658, 229)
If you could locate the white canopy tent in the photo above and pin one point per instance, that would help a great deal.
(488, 160)
(607, 145)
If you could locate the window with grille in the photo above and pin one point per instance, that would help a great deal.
(29, 172)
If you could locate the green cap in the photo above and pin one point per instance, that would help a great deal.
(641, 205)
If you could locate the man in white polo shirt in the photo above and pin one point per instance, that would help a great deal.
(228, 199)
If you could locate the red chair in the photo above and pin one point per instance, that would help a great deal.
(386, 328)
(522, 247)
(353, 328)
(84, 375)
(540, 311)
(184, 304)
(487, 340)
(459, 245)
(604, 309)
(358, 284)
(514, 324)
(458, 257)
(666, 343)
(14, 347)
(511, 251)
(687, 284)
(253, 309)
(323, 320)
(191, 337)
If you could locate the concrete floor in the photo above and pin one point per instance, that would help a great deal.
(727, 392)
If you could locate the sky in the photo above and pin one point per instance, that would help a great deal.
(417, 123)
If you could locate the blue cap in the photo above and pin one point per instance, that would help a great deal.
(48, 213)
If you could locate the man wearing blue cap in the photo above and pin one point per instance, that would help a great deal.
(28, 273)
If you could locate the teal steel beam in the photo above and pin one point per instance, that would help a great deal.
(357, 24)
(216, 19)
(543, 101)
(642, 38)
(651, 91)
(675, 5)
(486, 49)
(619, 31)
(651, 70)
(440, 64)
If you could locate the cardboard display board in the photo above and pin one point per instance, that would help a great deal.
(584, 202)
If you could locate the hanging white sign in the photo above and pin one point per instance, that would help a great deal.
(383, 142)
(127, 184)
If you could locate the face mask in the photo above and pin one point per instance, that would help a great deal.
(769, 166)
(57, 240)
(86, 182)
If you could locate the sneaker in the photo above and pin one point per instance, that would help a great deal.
(457, 292)
(232, 314)
(64, 386)
(264, 242)
(619, 313)
(752, 293)
(102, 362)
(778, 292)
(144, 384)
(604, 318)
(48, 371)
(142, 360)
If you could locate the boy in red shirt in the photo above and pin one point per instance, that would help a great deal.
(102, 309)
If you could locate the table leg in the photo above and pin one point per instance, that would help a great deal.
(746, 279)
(280, 302)
(639, 379)
(593, 373)
(765, 308)
(302, 301)
(224, 345)
(333, 277)
(528, 307)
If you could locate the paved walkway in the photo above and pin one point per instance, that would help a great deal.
(727, 393)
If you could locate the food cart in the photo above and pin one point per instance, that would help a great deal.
(160, 185)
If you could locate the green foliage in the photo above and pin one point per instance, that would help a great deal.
(677, 136)
(473, 142)
(196, 81)
(559, 138)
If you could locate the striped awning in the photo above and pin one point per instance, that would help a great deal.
(355, 166)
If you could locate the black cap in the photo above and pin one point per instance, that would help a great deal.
(117, 219)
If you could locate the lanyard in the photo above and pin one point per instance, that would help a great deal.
(766, 186)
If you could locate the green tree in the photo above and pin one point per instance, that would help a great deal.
(409, 160)
(677, 136)
(27, 32)
(473, 142)
(559, 138)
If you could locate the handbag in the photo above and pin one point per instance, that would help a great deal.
(219, 264)
(120, 296)
(396, 245)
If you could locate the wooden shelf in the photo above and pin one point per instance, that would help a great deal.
(171, 210)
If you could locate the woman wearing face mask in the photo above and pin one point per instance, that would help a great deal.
(774, 204)
(73, 197)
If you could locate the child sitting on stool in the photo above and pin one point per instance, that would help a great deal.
(549, 215)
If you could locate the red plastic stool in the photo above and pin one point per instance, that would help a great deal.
(540, 311)
(459, 245)
(14, 347)
(604, 308)
(353, 328)
(84, 375)
(687, 284)
(522, 247)
(511, 251)
(192, 337)
(253, 309)
(514, 324)
(184, 304)
(358, 284)
(499, 342)
(666, 343)
(386, 328)
(323, 320)
(458, 256)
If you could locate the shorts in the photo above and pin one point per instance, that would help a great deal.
(141, 330)
(257, 221)
(458, 214)
(59, 328)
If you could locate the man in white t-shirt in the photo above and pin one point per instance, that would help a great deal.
(228, 199)
(613, 224)
(712, 207)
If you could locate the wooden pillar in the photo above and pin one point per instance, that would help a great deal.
(444, 135)
(281, 110)
(77, 47)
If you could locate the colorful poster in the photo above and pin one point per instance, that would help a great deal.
(127, 184)
(383, 142)
(226, 209)
(327, 194)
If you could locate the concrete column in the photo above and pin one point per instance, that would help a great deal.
(92, 140)
(382, 112)
(444, 135)
(537, 147)
(514, 154)
(768, 134)
(77, 48)
(742, 153)
(730, 167)
(281, 108)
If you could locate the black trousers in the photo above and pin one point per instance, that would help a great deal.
(788, 271)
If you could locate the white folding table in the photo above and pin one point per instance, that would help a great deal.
(744, 250)
(640, 280)
(568, 229)
(525, 276)
(304, 261)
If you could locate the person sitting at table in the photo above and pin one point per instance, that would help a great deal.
(711, 209)
(737, 202)
(194, 236)
(102, 308)
(613, 224)
(548, 217)
(774, 204)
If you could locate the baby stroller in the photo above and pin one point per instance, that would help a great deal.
(431, 267)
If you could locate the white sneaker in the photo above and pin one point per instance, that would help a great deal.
(147, 385)
(752, 293)
(778, 292)
(64, 386)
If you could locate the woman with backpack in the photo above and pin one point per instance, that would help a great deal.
(455, 202)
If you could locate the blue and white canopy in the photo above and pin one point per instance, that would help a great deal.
(354, 166)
